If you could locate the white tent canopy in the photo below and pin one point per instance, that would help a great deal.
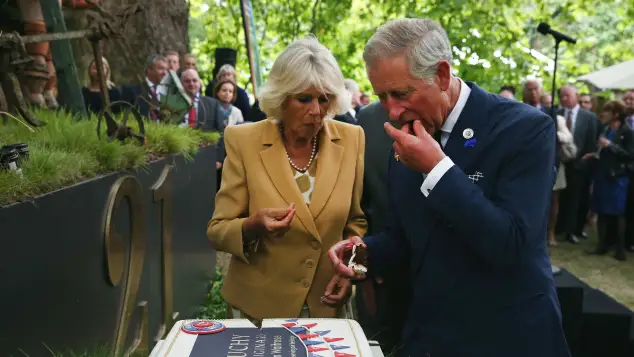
(619, 76)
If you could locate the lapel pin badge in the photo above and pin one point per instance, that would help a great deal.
(467, 133)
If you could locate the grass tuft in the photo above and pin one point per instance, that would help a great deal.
(68, 150)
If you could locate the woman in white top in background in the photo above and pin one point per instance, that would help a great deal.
(226, 92)
(566, 151)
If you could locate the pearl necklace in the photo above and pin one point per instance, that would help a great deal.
(310, 160)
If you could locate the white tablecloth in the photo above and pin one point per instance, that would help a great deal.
(376, 350)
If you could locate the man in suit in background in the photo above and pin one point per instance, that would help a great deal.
(469, 189)
(143, 94)
(531, 93)
(381, 302)
(205, 113)
(355, 95)
(189, 62)
(574, 203)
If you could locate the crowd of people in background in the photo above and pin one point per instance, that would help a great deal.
(596, 166)
(592, 190)
(595, 139)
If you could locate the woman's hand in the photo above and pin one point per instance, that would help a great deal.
(270, 222)
(337, 292)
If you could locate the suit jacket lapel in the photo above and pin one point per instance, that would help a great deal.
(201, 111)
(279, 170)
(474, 116)
(143, 95)
(328, 164)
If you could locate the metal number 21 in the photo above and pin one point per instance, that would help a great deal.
(128, 187)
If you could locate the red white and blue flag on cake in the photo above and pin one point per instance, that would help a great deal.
(276, 338)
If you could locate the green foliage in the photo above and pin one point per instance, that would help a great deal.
(169, 139)
(67, 151)
(214, 307)
(493, 39)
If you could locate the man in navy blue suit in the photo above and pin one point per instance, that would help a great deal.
(470, 182)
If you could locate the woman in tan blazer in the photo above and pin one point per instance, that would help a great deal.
(291, 188)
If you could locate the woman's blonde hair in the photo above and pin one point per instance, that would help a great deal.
(303, 64)
(109, 83)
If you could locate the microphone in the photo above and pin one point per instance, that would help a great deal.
(545, 29)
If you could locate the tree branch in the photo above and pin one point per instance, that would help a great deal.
(265, 22)
(296, 21)
(314, 21)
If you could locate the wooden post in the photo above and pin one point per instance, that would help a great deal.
(103, 85)
(68, 87)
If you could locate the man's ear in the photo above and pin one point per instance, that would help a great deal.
(443, 74)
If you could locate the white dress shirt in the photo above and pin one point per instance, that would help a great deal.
(153, 88)
(185, 122)
(431, 179)
(196, 100)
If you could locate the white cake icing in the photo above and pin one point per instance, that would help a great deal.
(314, 338)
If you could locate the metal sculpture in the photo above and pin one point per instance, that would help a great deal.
(16, 60)
(121, 130)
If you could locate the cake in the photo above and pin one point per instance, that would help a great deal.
(358, 259)
(277, 337)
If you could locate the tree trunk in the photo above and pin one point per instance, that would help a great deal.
(162, 26)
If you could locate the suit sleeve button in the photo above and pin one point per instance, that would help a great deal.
(314, 244)
(305, 283)
(310, 263)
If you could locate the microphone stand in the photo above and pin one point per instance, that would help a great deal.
(553, 90)
(555, 269)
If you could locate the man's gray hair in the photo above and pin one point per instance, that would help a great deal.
(226, 68)
(423, 42)
(538, 81)
(568, 86)
(151, 60)
(351, 86)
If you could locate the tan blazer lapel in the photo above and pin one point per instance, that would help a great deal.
(328, 163)
(279, 170)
